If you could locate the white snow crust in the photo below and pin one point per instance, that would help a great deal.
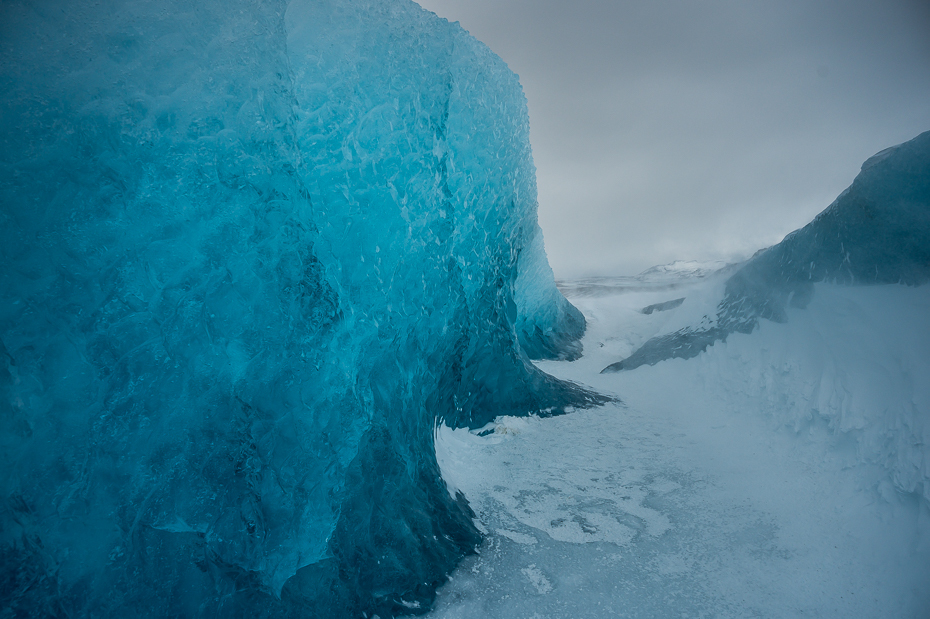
(782, 473)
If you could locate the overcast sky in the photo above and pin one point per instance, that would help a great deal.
(705, 130)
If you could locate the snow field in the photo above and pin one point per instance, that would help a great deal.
(779, 474)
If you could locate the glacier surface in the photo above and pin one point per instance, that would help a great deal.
(252, 254)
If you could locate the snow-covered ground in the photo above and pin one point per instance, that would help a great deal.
(779, 474)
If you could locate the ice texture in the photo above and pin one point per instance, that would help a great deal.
(252, 253)
(875, 232)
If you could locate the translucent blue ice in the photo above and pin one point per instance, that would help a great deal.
(251, 253)
(875, 232)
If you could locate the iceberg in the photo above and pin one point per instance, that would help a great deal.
(876, 232)
(253, 254)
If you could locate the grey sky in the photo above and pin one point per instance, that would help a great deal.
(667, 130)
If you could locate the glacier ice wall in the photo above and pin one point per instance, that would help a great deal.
(252, 252)
(876, 232)
(549, 327)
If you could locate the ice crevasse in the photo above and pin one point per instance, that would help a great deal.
(251, 253)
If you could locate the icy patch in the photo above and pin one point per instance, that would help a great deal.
(519, 538)
(683, 269)
(569, 500)
(537, 579)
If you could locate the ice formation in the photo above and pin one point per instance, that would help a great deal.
(252, 252)
(876, 232)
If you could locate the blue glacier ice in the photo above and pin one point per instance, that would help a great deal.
(252, 253)
(876, 232)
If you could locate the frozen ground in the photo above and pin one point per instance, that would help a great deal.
(779, 474)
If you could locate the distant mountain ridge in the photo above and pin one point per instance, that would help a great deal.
(663, 276)
(684, 269)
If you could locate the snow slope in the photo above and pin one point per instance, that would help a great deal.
(781, 473)
(876, 232)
